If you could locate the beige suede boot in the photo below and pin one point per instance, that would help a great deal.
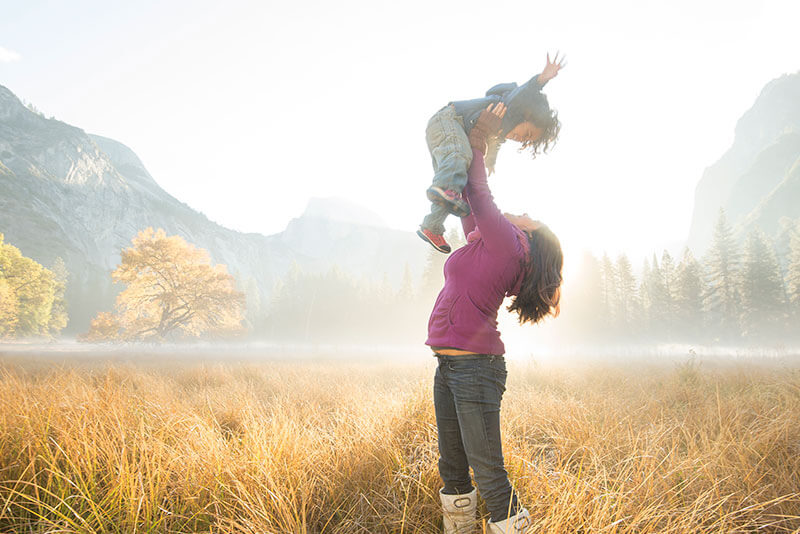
(459, 512)
(516, 524)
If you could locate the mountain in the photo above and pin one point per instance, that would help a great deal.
(756, 180)
(65, 193)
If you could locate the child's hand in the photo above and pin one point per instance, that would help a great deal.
(488, 124)
(551, 69)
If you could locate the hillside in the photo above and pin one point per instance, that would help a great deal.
(755, 180)
(65, 193)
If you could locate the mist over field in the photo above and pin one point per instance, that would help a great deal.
(339, 276)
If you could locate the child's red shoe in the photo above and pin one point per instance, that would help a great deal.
(449, 199)
(436, 240)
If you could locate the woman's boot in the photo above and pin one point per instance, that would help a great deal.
(516, 524)
(459, 512)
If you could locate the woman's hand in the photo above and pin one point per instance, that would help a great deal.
(494, 117)
(488, 124)
(551, 69)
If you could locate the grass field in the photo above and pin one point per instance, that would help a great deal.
(170, 445)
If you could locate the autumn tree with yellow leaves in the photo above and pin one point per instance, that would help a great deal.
(31, 296)
(172, 292)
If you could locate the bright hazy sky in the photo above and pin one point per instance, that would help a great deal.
(244, 110)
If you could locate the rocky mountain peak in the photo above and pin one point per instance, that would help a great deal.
(341, 210)
(65, 193)
(756, 168)
(775, 112)
(10, 106)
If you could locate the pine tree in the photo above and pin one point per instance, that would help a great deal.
(669, 273)
(658, 311)
(254, 314)
(722, 298)
(432, 278)
(762, 289)
(337, 302)
(627, 302)
(385, 292)
(58, 312)
(406, 292)
(645, 299)
(783, 241)
(689, 292)
(608, 277)
(289, 298)
(410, 319)
(793, 274)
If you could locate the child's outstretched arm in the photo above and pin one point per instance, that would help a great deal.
(499, 235)
(551, 69)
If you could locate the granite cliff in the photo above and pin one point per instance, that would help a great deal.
(757, 181)
(65, 193)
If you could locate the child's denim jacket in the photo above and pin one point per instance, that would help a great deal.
(503, 92)
(469, 110)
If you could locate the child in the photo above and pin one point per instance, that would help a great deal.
(528, 121)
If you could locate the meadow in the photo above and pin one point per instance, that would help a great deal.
(159, 444)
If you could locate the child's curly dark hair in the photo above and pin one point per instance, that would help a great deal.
(532, 106)
(550, 132)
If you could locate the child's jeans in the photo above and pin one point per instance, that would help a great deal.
(451, 155)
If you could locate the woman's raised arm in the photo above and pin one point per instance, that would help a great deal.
(498, 234)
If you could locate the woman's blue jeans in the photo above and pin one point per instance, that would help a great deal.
(467, 391)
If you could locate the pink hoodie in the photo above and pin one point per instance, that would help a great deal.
(478, 275)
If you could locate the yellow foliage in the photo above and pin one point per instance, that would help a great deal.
(8, 309)
(104, 327)
(172, 290)
(29, 296)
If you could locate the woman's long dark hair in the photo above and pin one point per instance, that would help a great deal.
(540, 293)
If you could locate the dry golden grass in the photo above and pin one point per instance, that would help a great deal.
(275, 447)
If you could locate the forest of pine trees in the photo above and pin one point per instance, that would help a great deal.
(738, 293)
(332, 307)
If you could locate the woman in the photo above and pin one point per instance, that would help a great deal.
(505, 255)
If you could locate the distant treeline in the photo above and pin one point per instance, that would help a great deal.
(333, 307)
(737, 293)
